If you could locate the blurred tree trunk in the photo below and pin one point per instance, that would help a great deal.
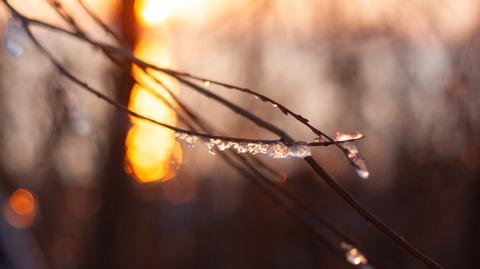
(117, 194)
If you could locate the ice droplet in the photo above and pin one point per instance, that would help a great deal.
(300, 151)
(281, 151)
(211, 144)
(353, 255)
(274, 150)
(206, 83)
(261, 98)
(15, 37)
(278, 151)
(257, 148)
(191, 140)
(352, 150)
(275, 105)
(320, 139)
(361, 168)
(345, 136)
(355, 158)
(211, 147)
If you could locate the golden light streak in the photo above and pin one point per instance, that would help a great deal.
(20, 210)
(153, 154)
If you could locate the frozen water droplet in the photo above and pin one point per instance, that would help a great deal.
(320, 139)
(352, 150)
(345, 136)
(363, 173)
(257, 148)
(206, 83)
(222, 146)
(278, 151)
(353, 255)
(180, 135)
(281, 151)
(191, 140)
(275, 105)
(361, 168)
(242, 147)
(230, 145)
(15, 37)
(300, 151)
(355, 158)
(211, 146)
(256, 97)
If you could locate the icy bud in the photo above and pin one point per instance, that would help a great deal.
(346, 136)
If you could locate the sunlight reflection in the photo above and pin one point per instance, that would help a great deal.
(152, 152)
(152, 12)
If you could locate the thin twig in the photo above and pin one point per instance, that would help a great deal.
(343, 193)
(282, 190)
(103, 25)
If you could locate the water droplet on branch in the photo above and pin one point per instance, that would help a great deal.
(357, 161)
(361, 168)
(206, 83)
(274, 150)
(191, 140)
(346, 136)
(320, 139)
(353, 255)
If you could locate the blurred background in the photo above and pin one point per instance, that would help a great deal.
(84, 186)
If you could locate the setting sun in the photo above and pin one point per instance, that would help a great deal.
(154, 11)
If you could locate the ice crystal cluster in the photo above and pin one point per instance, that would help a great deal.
(274, 150)
(280, 150)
